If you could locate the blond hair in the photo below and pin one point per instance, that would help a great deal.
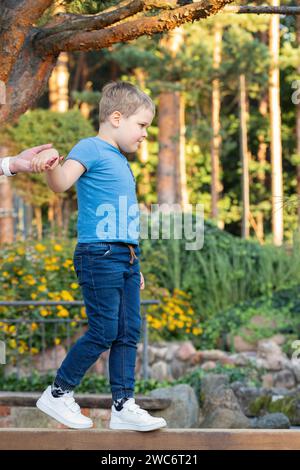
(123, 97)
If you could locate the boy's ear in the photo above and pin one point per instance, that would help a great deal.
(115, 118)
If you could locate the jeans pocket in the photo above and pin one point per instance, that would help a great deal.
(99, 251)
(77, 261)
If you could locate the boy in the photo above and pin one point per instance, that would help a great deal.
(106, 259)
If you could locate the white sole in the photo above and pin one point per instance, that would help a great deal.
(136, 427)
(48, 411)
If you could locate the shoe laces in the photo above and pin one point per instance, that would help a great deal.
(132, 406)
(70, 402)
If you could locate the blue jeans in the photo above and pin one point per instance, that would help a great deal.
(109, 276)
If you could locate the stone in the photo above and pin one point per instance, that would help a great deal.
(184, 409)
(270, 356)
(178, 368)
(172, 348)
(159, 371)
(221, 408)
(185, 352)
(267, 380)
(284, 379)
(208, 365)
(271, 421)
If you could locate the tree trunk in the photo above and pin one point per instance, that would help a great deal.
(58, 85)
(171, 184)
(38, 222)
(275, 122)
(216, 186)
(262, 158)
(244, 159)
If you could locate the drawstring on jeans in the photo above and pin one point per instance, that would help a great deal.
(132, 254)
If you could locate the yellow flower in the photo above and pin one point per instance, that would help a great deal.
(33, 296)
(57, 247)
(20, 272)
(65, 295)
(12, 343)
(42, 288)
(197, 331)
(44, 312)
(40, 248)
(73, 323)
(12, 329)
(56, 341)
(67, 263)
(74, 285)
(34, 351)
(43, 280)
(20, 251)
(34, 326)
(5, 274)
(83, 312)
(63, 313)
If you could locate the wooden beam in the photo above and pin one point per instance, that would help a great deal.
(170, 439)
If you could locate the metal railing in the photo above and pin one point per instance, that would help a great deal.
(42, 322)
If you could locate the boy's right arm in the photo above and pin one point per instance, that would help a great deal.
(62, 177)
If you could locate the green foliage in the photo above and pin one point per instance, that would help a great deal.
(265, 404)
(225, 272)
(277, 312)
(95, 383)
(41, 126)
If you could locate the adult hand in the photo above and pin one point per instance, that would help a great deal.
(22, 162)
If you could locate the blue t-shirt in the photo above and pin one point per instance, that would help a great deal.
(106, 193)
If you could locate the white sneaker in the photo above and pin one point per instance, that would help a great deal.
(64, 409)
(134, 418)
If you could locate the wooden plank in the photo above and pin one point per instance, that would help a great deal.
(163, 439)
(85, 400)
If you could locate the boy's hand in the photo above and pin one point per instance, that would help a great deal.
(142, 285)
(22, 162)
(46, 161)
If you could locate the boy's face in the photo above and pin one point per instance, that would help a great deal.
(132, 131)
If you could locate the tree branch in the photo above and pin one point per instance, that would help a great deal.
(95, 40)
(70, 22)
(259, 10)
(17, 16)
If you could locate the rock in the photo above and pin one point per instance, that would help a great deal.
(271, 421)
(220, 408)
(244, 358)
(178, 368)
(270, 356)
(284, 379)
(239, 344)
(186, 351)
(172, 348)
(208, 365)
(294, 366)
(159, 371)
(184, 409)
(161, 353)
(278, 339)
(211, 355)
(267, 381)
